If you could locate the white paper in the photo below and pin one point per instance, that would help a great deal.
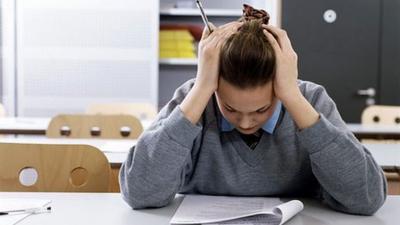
(7, 204)
(196, 209)
(12, 219)
(263, 219)
(288, 210)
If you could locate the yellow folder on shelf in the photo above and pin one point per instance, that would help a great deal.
(174, 45)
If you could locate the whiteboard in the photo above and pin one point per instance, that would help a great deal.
(77, 52)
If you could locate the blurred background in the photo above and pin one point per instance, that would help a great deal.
(61, 56)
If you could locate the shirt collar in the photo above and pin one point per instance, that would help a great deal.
(268, 127)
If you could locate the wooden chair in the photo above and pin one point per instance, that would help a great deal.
(95, 126)
(384, 115)
(59, 168)
(381, 114)
(140, 110)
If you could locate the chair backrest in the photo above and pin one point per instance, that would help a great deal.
(2, 110)
(94, 126)
(381, 114)
(59, 168)
(140, 110)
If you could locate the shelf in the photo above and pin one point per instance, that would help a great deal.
(178, 61)
(196, 12)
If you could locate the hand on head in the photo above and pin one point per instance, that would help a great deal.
(208, 54)
(286, 70)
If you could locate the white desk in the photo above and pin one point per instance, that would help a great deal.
(387, 155)
(106, 209)
(33, 125)
(116, 150)
(375, 131)
(22, 125)
(38, 126)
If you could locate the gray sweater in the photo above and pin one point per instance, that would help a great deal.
(324, 161)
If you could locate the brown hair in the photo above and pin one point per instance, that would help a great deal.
(247, 59)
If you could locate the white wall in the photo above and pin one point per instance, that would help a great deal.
(76, 52)
(8, 55)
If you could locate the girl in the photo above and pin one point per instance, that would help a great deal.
(247, 126)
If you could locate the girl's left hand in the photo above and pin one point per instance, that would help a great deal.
(286, 71)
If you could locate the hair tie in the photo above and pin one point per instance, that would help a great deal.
(250, 13)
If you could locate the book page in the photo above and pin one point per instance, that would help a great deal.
(263, 219)
(288, 209)
(196, 209)
(282, 213)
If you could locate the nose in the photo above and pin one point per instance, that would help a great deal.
(245, 123)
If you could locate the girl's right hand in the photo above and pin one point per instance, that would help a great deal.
(209, 52)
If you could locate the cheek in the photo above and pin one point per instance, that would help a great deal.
(259, 118)
(264, 116)
(230, 116)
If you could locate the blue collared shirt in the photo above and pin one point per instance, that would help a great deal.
(268, 127)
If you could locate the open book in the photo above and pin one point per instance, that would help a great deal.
(204, 209)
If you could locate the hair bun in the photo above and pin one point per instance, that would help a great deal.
(250, 13)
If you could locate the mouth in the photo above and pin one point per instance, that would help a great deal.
(248, 130)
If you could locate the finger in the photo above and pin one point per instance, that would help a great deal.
(212, 26)
(222, 39)
(219, 36)
(206, 31)
(210, 40)
(228, 31)
(219, 39)
(281, 37)
(222, 35)
(231, 24)
(272, 40)
(217, 33)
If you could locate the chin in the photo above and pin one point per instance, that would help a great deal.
(248, 131)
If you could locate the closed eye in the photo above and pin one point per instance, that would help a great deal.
(230, 109)
(263, 110)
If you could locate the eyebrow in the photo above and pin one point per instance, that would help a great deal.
(262, 108)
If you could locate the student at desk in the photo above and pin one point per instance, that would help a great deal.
(246, 126)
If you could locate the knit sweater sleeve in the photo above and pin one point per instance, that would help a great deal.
(155, 169)
(350, 179)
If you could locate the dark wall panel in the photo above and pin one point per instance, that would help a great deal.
(390, 64)
(337, 42)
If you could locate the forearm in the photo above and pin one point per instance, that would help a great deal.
(302, 112)
(154, 172)
(352, 182)
(151, 179)
(350, 178)
(195, 102)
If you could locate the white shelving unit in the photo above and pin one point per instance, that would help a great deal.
(178, 62)
(196, 12)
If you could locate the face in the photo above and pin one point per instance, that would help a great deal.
(246, 109)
